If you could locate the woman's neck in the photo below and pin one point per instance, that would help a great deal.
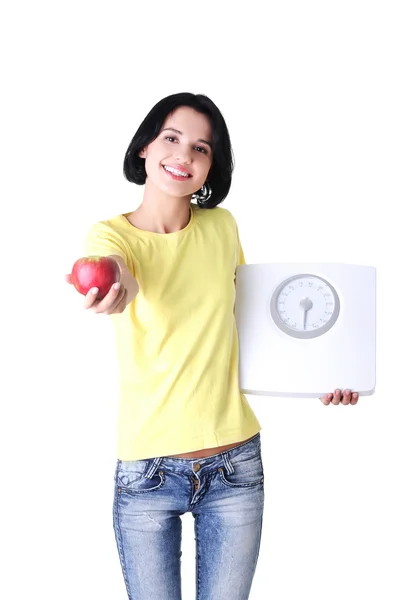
(161, 214)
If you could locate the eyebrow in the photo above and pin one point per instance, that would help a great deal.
(180, 133)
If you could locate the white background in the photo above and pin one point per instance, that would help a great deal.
(310, 93)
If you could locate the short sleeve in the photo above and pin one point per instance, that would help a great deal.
(102, 240)
(240, 254)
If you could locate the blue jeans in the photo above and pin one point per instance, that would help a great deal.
(224, 493)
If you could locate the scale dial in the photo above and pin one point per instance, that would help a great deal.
(305, 306)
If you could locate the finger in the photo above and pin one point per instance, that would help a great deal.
(103, 305)
(90, 298)
(346, 397)
(336, 397)
(326, 399)
(68, 278)
(119, 304)
(354, 398)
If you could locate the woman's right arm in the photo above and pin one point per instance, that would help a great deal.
(116, 300)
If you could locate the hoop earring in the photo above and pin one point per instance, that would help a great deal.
(203, 194)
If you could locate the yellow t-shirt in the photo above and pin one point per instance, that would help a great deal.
(177, 342)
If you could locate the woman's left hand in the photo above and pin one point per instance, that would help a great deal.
(348, 397)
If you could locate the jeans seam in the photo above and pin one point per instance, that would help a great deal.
(197, 558)
(119, 543)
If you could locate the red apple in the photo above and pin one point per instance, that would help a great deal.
(95, 271)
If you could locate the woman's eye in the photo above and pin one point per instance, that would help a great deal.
(170, 138)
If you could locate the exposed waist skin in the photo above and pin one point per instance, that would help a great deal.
(209, 451)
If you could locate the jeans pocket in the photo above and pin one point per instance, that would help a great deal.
(247, 471)
(129, 472)
(130, 477)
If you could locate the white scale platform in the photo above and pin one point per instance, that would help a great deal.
(306, 329)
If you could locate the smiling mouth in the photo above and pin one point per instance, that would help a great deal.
(176, 172)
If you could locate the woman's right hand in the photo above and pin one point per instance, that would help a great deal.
(112, 304)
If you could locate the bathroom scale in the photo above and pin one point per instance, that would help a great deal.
(306, 329)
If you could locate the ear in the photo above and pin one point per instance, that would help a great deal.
(143, 153)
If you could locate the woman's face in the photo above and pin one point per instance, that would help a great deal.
(179, 159)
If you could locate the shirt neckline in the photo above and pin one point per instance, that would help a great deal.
(155, 234)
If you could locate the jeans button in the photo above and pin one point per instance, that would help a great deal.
(196, 467)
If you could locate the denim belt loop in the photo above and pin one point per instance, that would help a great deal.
(153, 467)
(227, 463)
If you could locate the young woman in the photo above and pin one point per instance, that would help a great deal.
(188, 440)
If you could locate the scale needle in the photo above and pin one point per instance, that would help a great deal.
(305, 304)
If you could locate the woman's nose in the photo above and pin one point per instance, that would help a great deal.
(182, 154)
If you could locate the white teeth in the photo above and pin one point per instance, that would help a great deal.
(175, 171)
